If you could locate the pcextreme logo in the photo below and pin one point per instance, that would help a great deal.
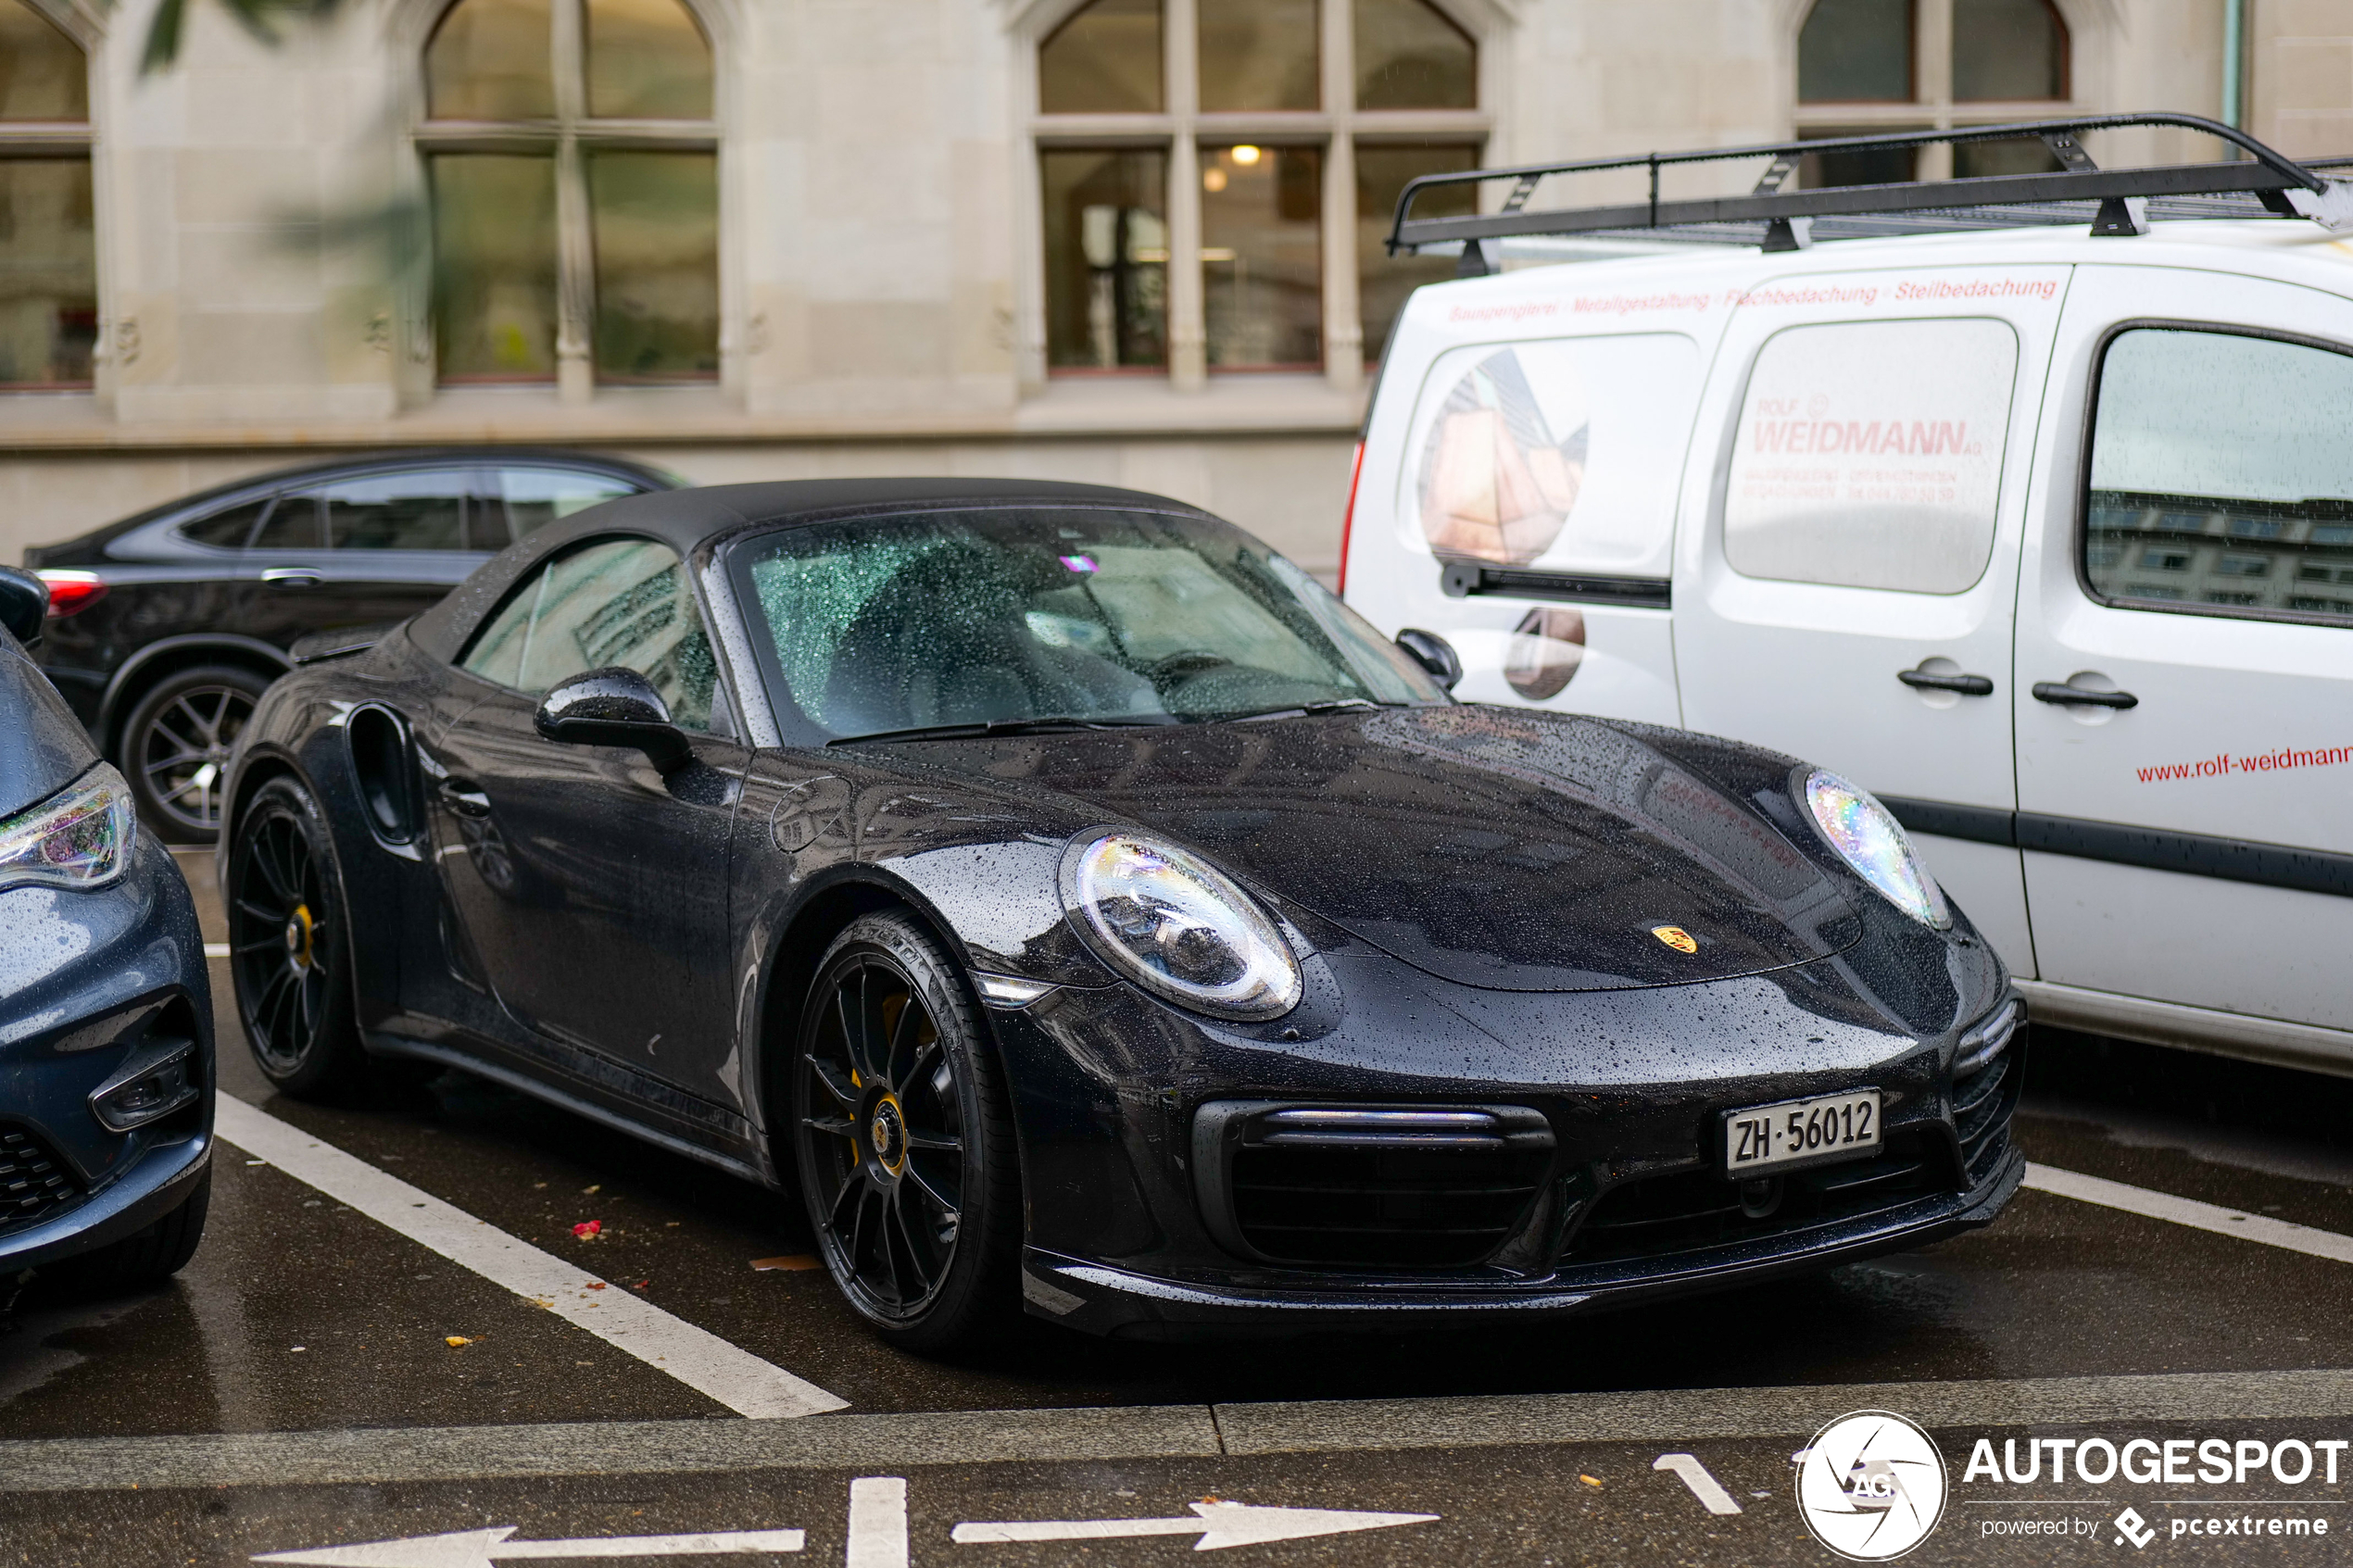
(1871, 1486)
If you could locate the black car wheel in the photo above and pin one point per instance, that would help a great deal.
(287, 948)
(176, 745)
(906, 1153)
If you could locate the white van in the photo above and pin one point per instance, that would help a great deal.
(2046, 536)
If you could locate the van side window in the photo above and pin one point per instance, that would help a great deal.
(1561, 453)
(2221, 476)
(1870, 455)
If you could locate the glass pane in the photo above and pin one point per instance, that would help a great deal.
(1410, 57)
(1855, 50)
(1258, 54)
(43, 75)
(1383, 281)
(2222, 474)
(2029, 157)
(959, 618)
(228, 529)
(293, 525)
(488, 61)
(1106, 257)
(536, 498)
(647, 61)
(656, 222)
(398, 511)
(1262, 255)
(494, 238)
(48, 272)
(1104, 60)
(1887, 165)
(1870, 455)
(2008, 49)
(626, 602)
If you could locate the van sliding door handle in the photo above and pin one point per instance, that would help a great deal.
(1967, 685)
(2076, 696)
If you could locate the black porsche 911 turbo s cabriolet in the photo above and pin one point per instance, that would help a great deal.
(1082, 907)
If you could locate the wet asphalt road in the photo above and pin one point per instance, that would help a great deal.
(302, 1315)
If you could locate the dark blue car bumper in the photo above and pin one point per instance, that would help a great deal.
(87, 980)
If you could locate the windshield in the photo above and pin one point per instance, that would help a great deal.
(963, 618)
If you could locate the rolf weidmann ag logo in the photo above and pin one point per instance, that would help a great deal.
(1871, 1486)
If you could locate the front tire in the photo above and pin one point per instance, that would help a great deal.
(289, 951)
(904, 1146)
(176, 745)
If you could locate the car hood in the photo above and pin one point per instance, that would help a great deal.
(1493, 846)
(43, 746)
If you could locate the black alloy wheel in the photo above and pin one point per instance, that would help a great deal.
(176, 745)
(287, 949)
(905, 1151)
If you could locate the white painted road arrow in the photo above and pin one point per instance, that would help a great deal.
(485, 1548)
(1219, 1525)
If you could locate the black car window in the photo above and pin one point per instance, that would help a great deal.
(536, 496)
(293, 525)
(617, 601)
(418, 510)
(228, 529)
(973, 616)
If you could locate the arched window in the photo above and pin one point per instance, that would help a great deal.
(571, 157)
(1179, 245)
(49, 248)
(1891, 65)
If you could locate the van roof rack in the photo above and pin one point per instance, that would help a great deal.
(2113, 201)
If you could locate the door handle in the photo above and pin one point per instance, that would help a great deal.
(293, 577)
(2076, 696)
(1967, 685)
(464, 801)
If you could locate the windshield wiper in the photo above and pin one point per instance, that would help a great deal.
(1009, 727)
(1327, 705)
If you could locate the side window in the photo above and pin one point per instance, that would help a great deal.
(1870, 455)
(399, 511)
(2221, 476)
(226, 530)
(1556, 454)
(293, 525)
(534, 497)
(623, 601)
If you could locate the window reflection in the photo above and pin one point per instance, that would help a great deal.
(1262, 255)
(494, 220)
(1384, 281)
(41, 73)
(1258, 54)
(647, 61)
(655, 217)
(1103, 60)
(1106, 257)
(1410, 57)
(2008, 49)
(48, 272)
(1855, 50)
(489, 60)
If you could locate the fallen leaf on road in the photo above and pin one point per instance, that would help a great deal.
(588, 1228)
(598, 1285)
(1589, 1480)
(592, 1189)
(454, 1340)
(795, 1261)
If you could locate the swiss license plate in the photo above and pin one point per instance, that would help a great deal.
(1801, 1132)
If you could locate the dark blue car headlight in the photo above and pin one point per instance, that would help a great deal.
(1177, 925)
(79, 837)
(1868, 838)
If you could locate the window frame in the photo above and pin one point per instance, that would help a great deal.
(1183, 133)
(63, 141)
(2079, 551)
(567, 140)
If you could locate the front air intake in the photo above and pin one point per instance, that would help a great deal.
(34, 1183)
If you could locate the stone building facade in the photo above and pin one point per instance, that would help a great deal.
(1127, 241)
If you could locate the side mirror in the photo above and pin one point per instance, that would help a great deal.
(612, 707)
(1434, 654)
(24, 603)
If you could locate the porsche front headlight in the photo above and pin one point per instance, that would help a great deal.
(82, 836)
(1868, 838)
(1179, 927)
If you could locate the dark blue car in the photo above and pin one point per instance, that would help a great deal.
(105, 1018)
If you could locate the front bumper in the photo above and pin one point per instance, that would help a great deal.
(1135, 1231)
(87, 979)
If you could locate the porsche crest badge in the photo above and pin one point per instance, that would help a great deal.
(1676, 937)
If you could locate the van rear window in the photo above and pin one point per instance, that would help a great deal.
(1870, 455)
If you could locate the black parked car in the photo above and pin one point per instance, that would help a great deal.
(106, 1016)
(1082, 907)
(166, 626)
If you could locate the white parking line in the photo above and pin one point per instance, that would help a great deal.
(2191, 1213)
(696, 1357)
